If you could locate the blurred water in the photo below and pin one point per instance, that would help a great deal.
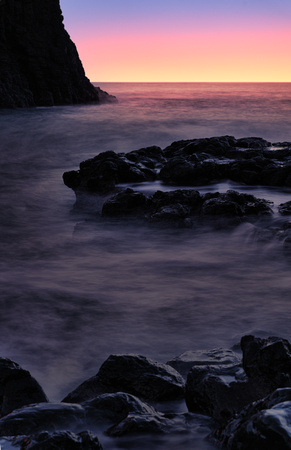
(75, 288)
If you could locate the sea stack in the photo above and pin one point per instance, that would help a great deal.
(39, 64)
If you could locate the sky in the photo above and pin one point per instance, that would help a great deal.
(182, 40)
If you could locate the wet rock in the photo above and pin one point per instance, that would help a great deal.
(183, 206)
(213, 146)
(187, 163)
(102, 173)
(235, 204)
(216, 383)
(17, 387)
(222, 391)
(61, 440)
(285, 208)
(268, 359)
(175, 207)
(252, 142)
(263, 425)
(40, 65)
(108, 409)
(132, 374)
(101, 412)
(43, 416)
(157, 423)
(125, 203)
(115, 414)
(181, 172)
(151, 157)
(218, 357)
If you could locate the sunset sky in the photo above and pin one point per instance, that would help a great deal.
(182, 40)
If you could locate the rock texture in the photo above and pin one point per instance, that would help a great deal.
(17, 387)
(222, 391)
(187, 163)
(133, 374)
(39, 64)
(184, 206)
(263, 425)
(61, 440)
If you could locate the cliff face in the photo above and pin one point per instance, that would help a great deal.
(39, 64)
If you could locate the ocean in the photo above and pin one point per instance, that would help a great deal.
(76, 288)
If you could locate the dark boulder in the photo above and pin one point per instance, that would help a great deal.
(222, 391)
(43, 416)
(151, 157)
(108, 409)
(218, 357)
(214, 146)
(125, 203)
(100, 412)
(60, 440)
(179, 171)
(216, 383)
(263, 425)
(115, 414)
(285, 208)
(102, 173)
(252, 142)
(268, 359)
(174, 207)
(40, 65)
(234, 204)
(17, 387)
(133, 374)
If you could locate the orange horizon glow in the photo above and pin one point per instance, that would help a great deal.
(244, 52)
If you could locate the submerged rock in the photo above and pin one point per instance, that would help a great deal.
(133, 374)
(17, 387)
(263, 425)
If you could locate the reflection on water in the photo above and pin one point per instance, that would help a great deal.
(75, 288)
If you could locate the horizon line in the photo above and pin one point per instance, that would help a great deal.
(261, 82)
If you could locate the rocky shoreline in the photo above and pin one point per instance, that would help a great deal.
(243, 400)
(182, 167)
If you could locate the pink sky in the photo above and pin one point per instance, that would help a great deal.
(213, 48)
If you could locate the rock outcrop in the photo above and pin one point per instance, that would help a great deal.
(134, 374)
(248, 398)
(222, 391)
(39, 64)
(17, 387)
(263, 425)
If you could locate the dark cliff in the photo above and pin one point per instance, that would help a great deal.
(39, 64)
